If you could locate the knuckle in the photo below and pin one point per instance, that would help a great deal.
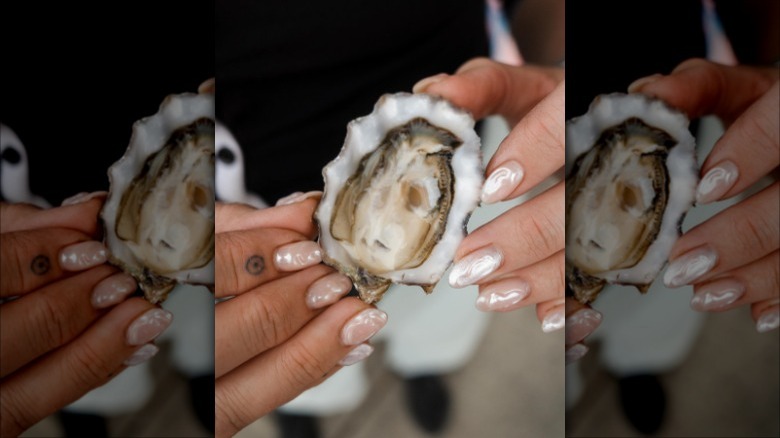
(541, 235)
(300, 366)
(16, 410)
(87, 367)
(230, 408)
(48, 321)
(265, 322)
(756, 234)
(226, 282)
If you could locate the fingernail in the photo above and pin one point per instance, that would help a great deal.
(575, 353)
(639, 83)
(83, 255)
(717, 295)
(554, 320)
(689, 267)
(148, 326)
(502, 182)
(357, 354)
(207, 87)
(475, 266)
(581, 324)
(716, 182)
(503, 296)
(769, 320)
(327, 290)
(298, 255)
(297, 197)
(113, 290)
(83, 197)
(422, 84)
(362, 326)
(146, 352)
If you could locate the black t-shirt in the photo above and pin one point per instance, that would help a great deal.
(291, 75)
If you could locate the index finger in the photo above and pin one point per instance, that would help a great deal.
(80, 217)
(294, 217)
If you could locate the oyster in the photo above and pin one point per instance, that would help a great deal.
(631, 177)
(159, 215)
(399, 194)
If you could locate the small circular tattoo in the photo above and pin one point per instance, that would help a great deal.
(40, 265)
(255, 265)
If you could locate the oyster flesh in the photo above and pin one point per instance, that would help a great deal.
(399, 194)
(631, 177)
(159, 215)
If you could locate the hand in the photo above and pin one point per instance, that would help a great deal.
(517, 259)
(732, 258)
(287, 327)
(58, 339)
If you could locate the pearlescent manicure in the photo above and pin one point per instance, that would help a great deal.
(718, 295)
(327, 290)
(298, 255)
(503, 296)
(581, 324)
(475, 266)
(690, 267)
(357, 354)
(112, 290)
(502, 182)
(363, 326)
(716, 182)
(82, 197)
(424, 83)
(148, 326)
(83, 255)
(575, 353)
(297, 197)
(554, 320)
(146, 352)
(769, 320)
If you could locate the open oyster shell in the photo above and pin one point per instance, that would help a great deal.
(631, 177)
(159, 215)
(399, 194)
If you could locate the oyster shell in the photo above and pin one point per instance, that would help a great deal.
(399, 194)
(159, 215)
(631, 177)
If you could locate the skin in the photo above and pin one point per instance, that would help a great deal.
(269, 345)
(530, 236)
(53, 341)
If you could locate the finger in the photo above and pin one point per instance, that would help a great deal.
(748, 150)
(552, 314)
(542, 281)
(34, 258)
(752, 283)
(262, 318)
(295, 217)
(278, 375)
(581, 322)
(575, 352)
(699, 87)
(246, 259)
(486, 87)
(71, 371)
(80, 217)
(209, 86)
(50, 317)
(767, 315)
(532, 151)
(524, 235)
(734, 237)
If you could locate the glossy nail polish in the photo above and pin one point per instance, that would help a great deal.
(327, 290)
(423, 84)
(690, 267)
(297, 197)
(716, 182)
(298, 255)
(146, 352)
(475, 266)
(357, 354)
(575, 353)
(363, 326)
(637, 84)
(554, 320)
(113, 290)
(82, 197)
(502, 182)
(769, 320)
(148, 326)
(83, 255)
(503, 296)
(717, 295)
(581, 324)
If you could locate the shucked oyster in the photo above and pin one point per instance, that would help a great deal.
(159, 215)
(399, 194)
(631, 177)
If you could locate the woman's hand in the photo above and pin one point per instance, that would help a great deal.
(286, 328)
(517, 259)
(58, 337)
(732, 259)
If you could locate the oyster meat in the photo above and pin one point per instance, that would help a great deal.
(631, 177)
(399, 194)
(159, 215)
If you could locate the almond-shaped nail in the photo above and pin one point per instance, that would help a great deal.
(83, 255)
(641, 82)
(503, 295)
(580, 324)
(554, 320)
(295, 197)
(113, 290)
(148, 326)
(475, 266)
(690, 266)
(298, 255)
(327, 290)
(83, 197)
(769, 320)
(716, 182)
(423, 84)
(357, 354)
(502, 182)
(146, 352)
(363, 326)
(575, 353)
(717, 295)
